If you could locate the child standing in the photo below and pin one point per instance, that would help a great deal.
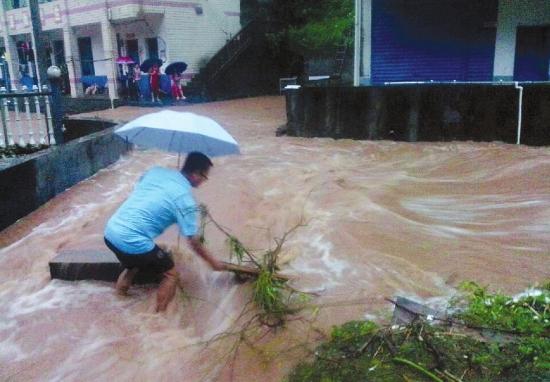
(176, 87)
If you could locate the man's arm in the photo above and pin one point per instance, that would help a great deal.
(200, 250)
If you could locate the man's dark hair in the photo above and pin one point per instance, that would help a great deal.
(196, 162)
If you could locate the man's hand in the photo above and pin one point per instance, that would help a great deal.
(200, 250)
(217, 265)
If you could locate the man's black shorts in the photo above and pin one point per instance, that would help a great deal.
(155, 260)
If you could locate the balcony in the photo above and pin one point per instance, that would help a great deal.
(125, 13)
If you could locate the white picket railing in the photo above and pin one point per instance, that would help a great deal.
(26, 117)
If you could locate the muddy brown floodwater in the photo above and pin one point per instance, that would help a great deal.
(382, 219)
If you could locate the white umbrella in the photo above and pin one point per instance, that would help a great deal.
(180, 132)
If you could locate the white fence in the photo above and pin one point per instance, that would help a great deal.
(26, 118)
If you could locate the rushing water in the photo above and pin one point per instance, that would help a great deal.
(379, 219)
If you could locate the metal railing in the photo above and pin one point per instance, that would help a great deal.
(230, 51)
(26, 117)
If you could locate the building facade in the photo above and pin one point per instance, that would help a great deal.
(85, 37)
(453, 40)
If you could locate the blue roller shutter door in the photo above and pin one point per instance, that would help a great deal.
(439, 40)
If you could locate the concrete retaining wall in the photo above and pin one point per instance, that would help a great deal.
(478, 112)
(28, 183)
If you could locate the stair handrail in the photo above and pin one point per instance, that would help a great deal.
(229, 51)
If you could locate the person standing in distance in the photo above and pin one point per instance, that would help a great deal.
(161, 198)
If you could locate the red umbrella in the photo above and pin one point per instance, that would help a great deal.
(125, 60)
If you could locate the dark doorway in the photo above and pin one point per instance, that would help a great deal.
(59, 52)
(152, 47)
(132, 50)
(532, 54)
(86, 56)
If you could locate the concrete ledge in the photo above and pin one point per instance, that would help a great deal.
(421, 112)
(28, 182)
(92, 265)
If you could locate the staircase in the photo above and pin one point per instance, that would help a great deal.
(198, 88)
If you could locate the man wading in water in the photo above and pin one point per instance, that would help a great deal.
(161, 198)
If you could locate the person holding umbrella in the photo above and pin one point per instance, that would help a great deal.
(174, 70)
(154, 82)
(152, 67)
(176, 87)
(162, 197)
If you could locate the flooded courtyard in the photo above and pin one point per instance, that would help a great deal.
(380, 219)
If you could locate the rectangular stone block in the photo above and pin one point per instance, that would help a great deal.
(92, 265)
(406, 311)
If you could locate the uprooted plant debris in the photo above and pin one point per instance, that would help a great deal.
(491, 337)
(272, 295)
(484, 337)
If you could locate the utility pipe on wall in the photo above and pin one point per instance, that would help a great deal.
(357, 42)
(520, 88)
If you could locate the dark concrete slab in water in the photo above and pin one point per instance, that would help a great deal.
(407, 310)
(92, 265)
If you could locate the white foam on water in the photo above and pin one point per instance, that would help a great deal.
(77, 366)
(272, 192)
(54, 226)
(524, 249)
(317, 259)
(324, 247)
(530, 292)
(220, 320)
(55, 295)
(370, 317)
(10, 351)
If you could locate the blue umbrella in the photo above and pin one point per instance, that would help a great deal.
(176, 67)
(180, 132)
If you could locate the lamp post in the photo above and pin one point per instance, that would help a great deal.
(54, 75)
(38, 41)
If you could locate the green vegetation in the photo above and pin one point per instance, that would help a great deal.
(16, 150)
(492, 338)
(269, 297)
(302, 28)
(271, 294)
(236, 249)
(529, 315)
(328, 25)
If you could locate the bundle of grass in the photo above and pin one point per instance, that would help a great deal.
(464, 351)
(271, 292)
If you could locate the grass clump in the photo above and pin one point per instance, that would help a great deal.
(17, 150)
(269, 297)
(527, 313)
(236, 249)
(421, 351)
